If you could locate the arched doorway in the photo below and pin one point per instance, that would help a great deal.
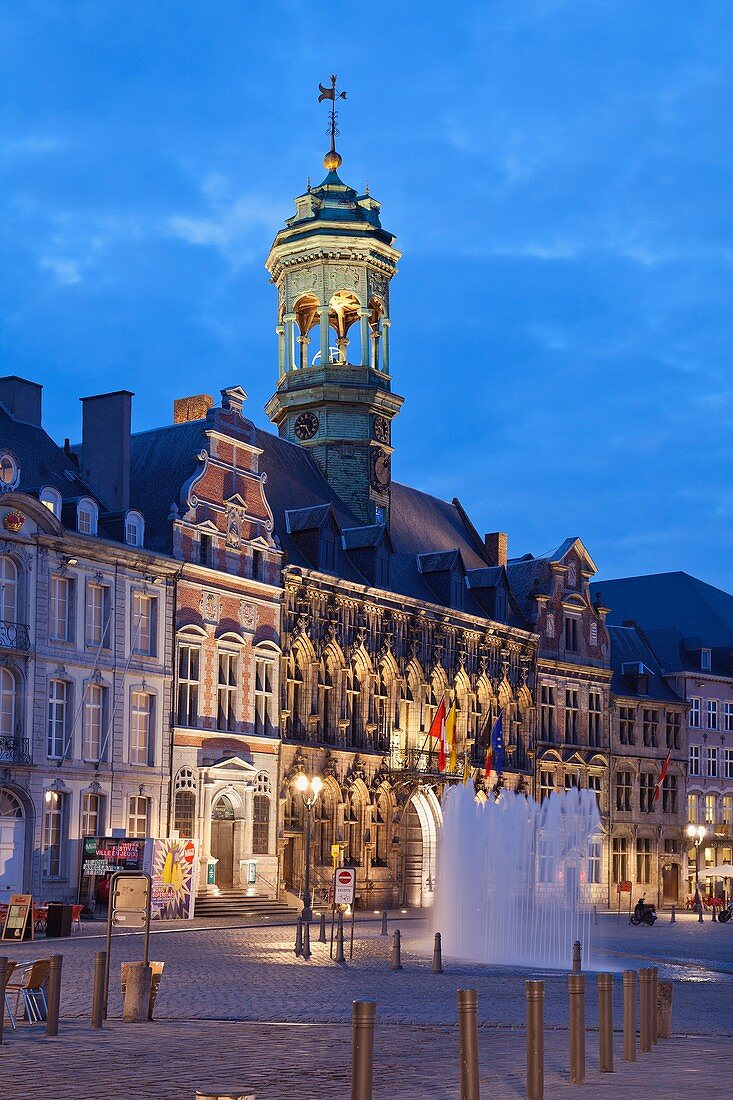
(222, 841)
(419, 840)
(670, 884)
(12, 843)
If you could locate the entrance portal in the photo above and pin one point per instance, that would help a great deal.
(12, 844)
(670, 884)
(419, 837)
(222, 841)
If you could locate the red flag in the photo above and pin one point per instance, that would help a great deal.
(489, 762)
(437, 729)
(658, 786)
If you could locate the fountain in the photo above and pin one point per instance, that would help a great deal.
(512, 881)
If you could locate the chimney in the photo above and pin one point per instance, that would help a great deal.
(191, 408)
(105, 447)
(22, 399)
(496, 547)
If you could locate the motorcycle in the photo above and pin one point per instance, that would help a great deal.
(725, 913)
(644, 913)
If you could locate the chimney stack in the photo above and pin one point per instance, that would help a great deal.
(22, 399)
(496, 547)
(191, 408)
(105, 447)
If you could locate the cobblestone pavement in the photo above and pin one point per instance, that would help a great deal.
(219, 973)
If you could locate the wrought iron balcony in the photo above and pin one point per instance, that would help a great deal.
(418, 763)
(15, 750)
(14, 636)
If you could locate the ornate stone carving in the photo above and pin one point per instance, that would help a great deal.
(209, 605)
(247, 615)
(235, 518)
(344, 278)
(378, 285)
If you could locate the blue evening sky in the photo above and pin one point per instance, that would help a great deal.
(557, 173)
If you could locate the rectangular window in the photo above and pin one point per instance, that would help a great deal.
(646, 792)
(728, 763)
(94, 731)
(595, 704)
(620, 859)
(91, 815)
(188, 685)
(595, 784)
(206, 550)
(97, 615)
(59, 609)
(547, 784)
(695, 714)
(261, 825)
(143, 627)
(671, 847)
(694, 759)
(264, 698)
(712, 714)
(58, 705)
(54, 828)
(137, 816)
(711, 761)
(692, 809)
(728, 717)
(705, 660)
(674, 726)
(227, 692)
(624, 785)
(651, 728)
(547, 712)
(627, 722)
(595, 851)
(141, 720)
(257, 562)
(572, 715)
(728, 809)
(572, 779)
(572, 633)
(669, 794)
(644, 860)
(710, 801)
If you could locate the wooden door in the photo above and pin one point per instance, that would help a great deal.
(222, 848)
(670, 884)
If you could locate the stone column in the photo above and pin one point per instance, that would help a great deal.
(205, 833)
(385, 344)
(364, 326)
(280, 330)
(289, 320)
(324, 335)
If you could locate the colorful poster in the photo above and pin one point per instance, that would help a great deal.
(173, 871)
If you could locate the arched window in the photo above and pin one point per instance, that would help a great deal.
(326, 701)
(8, 590)
(261, 815)
(295, 687)
(8, 699)
(323, 820)
(381, 829)
(9, 472)
(354, 705)
(382, 715)
(10, 805)
(87, 514)
(134, 529)
(353, 829)
(222, 810)
(184, 813)
(51, 498)
(293, 810)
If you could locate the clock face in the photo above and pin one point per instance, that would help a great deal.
(381, 429)
(306, 425)
(381, 469)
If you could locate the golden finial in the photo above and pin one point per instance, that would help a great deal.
(332, 159)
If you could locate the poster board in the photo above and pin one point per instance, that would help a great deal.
(174, 866)
(19, 923)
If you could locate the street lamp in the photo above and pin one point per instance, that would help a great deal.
(310, 789)
(696, 834)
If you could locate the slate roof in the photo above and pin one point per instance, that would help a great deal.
(629, 646)
(679, 615)
(161, 461)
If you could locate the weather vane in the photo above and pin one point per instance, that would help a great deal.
(332, 159)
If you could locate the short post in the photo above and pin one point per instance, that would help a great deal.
(664, 1010)
(437, 967)
(100, 959)
(535, 996)
(299, 937)
(340, 957)
(3, 983)
(576, 990)
(605, 1023)
(673, 915)
(384, 924)
(362, 1049)
(322, 933)
(577, 957)
(629, 1015)
(306, 940)
(138, 982)
(645, 1010)
(714, 913)
(699, 913)
(468, 1042)
(54, 995)
(396, 962)
(655, 998)
(595, 914)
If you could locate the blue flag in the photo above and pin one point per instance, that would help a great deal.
(497, 745)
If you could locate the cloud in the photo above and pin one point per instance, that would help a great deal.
(66, 272)
(232, 225)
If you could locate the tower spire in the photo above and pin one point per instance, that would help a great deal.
(332, 159)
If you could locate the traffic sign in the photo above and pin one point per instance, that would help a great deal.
(344, 886)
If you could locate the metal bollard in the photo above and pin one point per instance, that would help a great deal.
(714, 914)
(595, 914)
(576, 991)
(605, 1023)
(645, 1007)
(299, 937)
(340, 957)
(363, 1016)
(306, 940)
(673, 915)
(100, 961)
(437, 967)
(396, 961)
(699, 913)
(384, 923)
(577, 957)
(629, 1015)
(322, 933)
(3, 982)
(534, 992)
(54, 995)
(468, 1042)
(655, 998)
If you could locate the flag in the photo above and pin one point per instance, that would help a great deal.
(658, 786)
(437, 729)
(466, 768)
(497, 745)
(488, 762)
(450, 736)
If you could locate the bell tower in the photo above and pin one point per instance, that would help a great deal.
(332, 265)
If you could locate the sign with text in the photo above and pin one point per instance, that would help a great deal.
(173, 872)
(130, 900)
(19, 918)
(104, 855)
(344, 886)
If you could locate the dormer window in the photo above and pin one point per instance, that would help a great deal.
(86, 517)
(327, 549)
(9, 471)
(457, 587)
(51, 499)
(134, 529)
(705, 660)
(572, 633)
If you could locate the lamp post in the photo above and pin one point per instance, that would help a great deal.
(696, 834)
(310, 789)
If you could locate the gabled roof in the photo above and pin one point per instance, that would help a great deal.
(444, 561)
(488, 577)
(307, 519)
(360, 538)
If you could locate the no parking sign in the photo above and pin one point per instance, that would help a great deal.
(344, 886)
